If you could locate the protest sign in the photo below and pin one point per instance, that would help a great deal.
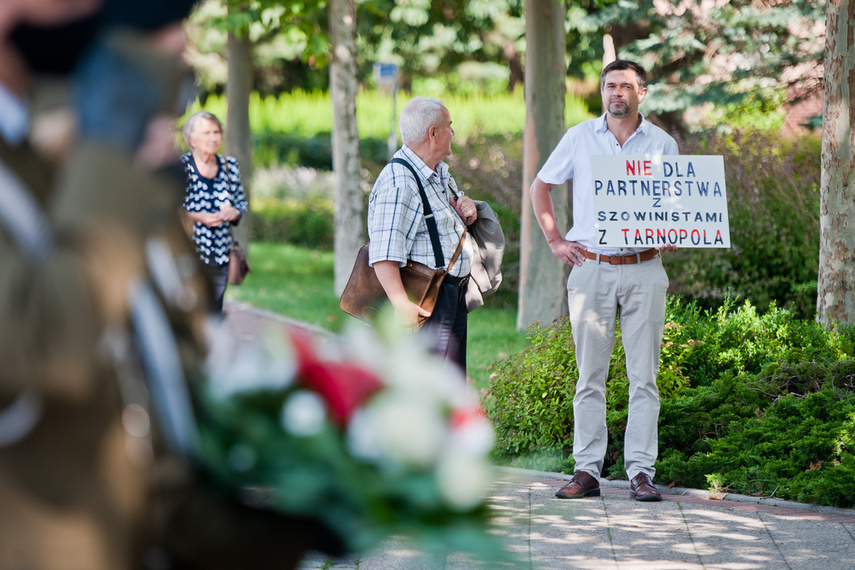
(661, 200)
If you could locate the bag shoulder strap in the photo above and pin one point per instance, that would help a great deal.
(429, 218)
(456, 252)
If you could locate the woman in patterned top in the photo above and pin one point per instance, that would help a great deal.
(214, 198)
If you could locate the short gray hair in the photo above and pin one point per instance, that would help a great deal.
(194, 118)
(418, 116)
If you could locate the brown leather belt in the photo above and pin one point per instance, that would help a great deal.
(645, 255)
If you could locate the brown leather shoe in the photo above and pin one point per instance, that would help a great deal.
(583, 484)
(641, 488)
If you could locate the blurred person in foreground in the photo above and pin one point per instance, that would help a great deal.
(605, 283)
(398, 231)
(214, 199)
(102, 311)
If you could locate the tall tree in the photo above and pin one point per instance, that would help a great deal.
(434, 37)
(738, 54)
(349, 219)
(288, 38)
(542, 294)
(238, 89)
(426, 38)
(836, 287)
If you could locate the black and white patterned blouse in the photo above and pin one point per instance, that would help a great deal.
(212, 195)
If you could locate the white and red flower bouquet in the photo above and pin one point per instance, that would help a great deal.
(370, 433)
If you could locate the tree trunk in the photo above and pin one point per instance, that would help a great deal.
(238, 130)
(543, 294)
(836, 280)
(349, 216)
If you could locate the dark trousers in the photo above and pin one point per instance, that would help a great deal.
(218, 277)
(449, 320)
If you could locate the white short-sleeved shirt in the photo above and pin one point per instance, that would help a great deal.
(571, 159)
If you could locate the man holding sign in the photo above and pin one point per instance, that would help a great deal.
(606, 281)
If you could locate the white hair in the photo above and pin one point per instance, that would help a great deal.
(195, 118)
(418, 116)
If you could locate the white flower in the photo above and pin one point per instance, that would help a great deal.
(404, 361)
(303, 414)
(364, 347)
(474, 437)
(398, 429)
(464, 480)
(363, 438)
(232, 368)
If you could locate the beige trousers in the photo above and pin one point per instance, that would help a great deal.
(598, 294)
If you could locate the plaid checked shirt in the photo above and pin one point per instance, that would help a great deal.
(396, 222)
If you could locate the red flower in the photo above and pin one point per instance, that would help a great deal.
(344, 387)
(461, 417)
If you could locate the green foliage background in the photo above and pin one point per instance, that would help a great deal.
(294, 128)
(734, 62)
(773, 202)
(772, 182)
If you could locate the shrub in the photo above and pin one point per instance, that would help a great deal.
(779, 424)
(689, 424)
(530, 398)
(738, 339)
(800, 448)
(306, 222)
(773, 203)
(751, 402)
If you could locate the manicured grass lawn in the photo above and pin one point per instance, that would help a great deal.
(298, 283)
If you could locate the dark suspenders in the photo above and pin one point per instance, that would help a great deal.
(429, 218)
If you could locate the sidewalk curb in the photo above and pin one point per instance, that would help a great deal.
(264, 313)
(700, 493)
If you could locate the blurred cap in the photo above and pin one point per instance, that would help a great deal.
(145, 14)
(56, 50)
